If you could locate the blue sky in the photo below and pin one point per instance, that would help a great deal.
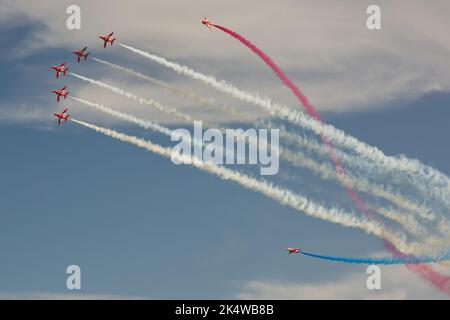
(139, 226)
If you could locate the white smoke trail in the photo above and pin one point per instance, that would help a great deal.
(204, 102)
(295, 159)
(127, 117)
(410, 224)
(298, 160)
(164, 85)
(146, 124)
(134, 97)
(336, 136)
(326, 172)
(361, 168)
(282, 196)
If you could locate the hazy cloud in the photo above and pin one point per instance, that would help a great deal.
(396, 283)
(325, 47)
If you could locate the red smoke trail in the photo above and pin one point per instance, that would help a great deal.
(426, 272)
(309, 108)
(280, 74)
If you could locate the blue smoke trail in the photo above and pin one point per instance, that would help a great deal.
(383, 261)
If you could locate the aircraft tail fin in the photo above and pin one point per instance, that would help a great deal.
(112, 41)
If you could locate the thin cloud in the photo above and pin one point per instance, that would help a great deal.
(396, 284)
(326, 48)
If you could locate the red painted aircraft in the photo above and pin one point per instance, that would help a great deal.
(293, 250)
(61, 93)
(107, 39)
(81, 54)
(60, 69)
(62, 116)
(207, 23)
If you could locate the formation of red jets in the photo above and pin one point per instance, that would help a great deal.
(83, 53)
(64, 116)
(62, 69)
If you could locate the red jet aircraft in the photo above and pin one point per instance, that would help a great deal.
(107, 39)
(293, 250)
(207, 23)
(81, 54)
(61, 93)
(60, 69)
(62, 116)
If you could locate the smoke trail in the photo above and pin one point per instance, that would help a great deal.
(355, 198)
(441, 191)
(284, 79)
(357, 182)
(282, 196)
(127, 117)
(280, 74)
(162, 84)
(407, 221)
(204, 102)
(219, 85)
(427, 273)
(383, 261)
(295, 159)
(363, 166)
(340, 173)
(134, 97)
(148, 125)
(336, 136)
